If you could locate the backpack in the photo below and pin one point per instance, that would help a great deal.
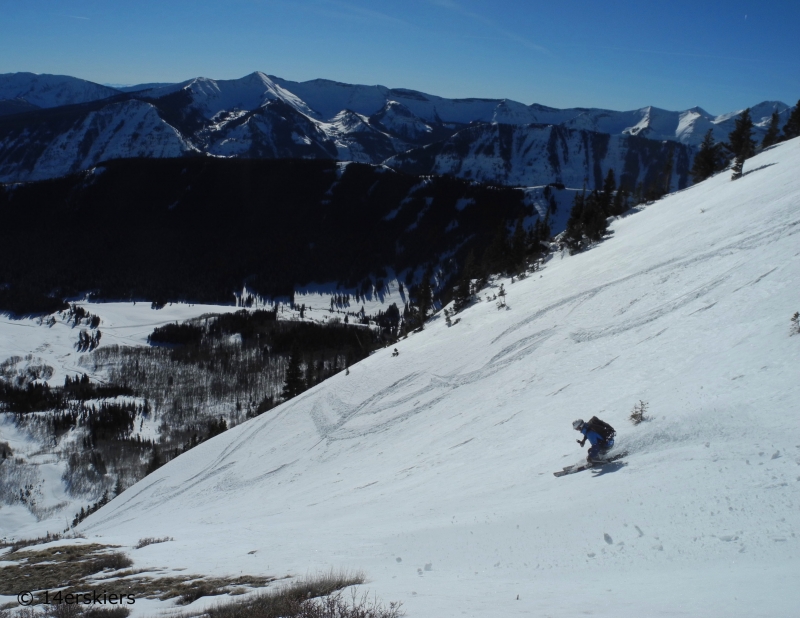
(605, 430)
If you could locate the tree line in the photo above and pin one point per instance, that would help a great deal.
(715, 156)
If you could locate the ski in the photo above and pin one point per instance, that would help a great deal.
(586, 465)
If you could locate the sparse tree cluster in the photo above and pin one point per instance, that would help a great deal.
(85, 512)
(79, 315)
(741, 143)
(772, 135)
(88, 342)
(192, 389)
(588, 218)
(792, 127)
(709, 160)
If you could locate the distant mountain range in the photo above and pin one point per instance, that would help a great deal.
(55, 125)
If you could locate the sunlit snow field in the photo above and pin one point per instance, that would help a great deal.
(432, 471)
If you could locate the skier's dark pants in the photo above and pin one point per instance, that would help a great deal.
(600, 449)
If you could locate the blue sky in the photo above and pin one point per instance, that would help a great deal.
(618, 54)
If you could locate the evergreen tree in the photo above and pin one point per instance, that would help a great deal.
(707, 160)
(517, 249)
(609, 188)
(425, 300)
(741, 142)
(620, 202)
(155, 461)
(573, 235)
(587, 220)
(294, 384)
(666, 186)
(772, 133)
(496, 258)
(792, 127)
(594, 218)
(462, 295)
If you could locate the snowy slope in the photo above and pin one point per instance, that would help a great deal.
(432, 471)
(51, 90)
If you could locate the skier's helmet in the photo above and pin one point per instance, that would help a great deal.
(576, 425)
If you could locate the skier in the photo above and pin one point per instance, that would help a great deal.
(600, 436)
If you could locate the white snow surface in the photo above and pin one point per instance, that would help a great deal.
(432, 470)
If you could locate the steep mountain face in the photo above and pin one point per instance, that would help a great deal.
(396, 119)
(53, 143)
(209, 96)
(514, 155)
(273, 131)
(51, 90)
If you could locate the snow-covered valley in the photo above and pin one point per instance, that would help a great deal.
(431, 470)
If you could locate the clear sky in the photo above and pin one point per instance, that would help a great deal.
(619, 54)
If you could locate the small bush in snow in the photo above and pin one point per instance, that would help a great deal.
(150, 540)
(315, 597)
(796, 323)
(639, 413)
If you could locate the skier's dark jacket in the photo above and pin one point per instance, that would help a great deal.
(594, 437)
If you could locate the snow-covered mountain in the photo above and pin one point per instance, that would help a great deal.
(209, 96)
(266, 116)
(62, 143)
(51, 90)
(432, 470)
(687, 127)
(515, 154)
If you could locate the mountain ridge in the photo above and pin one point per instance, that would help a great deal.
(265, 116)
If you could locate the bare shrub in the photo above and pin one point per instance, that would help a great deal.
(20, 543)
(795, 323)
(113, 561)
(639, 413)
(150, 540)
(196, 592)
(336, 606)
(64, 610)
(111, 612)
(292, 600)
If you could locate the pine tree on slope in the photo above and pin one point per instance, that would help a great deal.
(772, 133)
(741, 142)
(792, 127)
(294, 384)
(707, 160)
